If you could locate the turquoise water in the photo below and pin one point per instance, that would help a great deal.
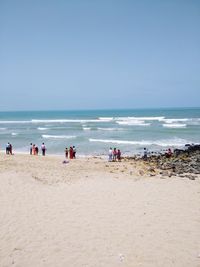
(94, 131)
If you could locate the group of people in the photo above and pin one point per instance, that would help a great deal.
(9, 149)
(34, 150)
(114, 154)
(70, 153)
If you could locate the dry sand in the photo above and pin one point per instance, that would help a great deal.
(91, 213)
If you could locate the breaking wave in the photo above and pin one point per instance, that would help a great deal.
(139, 118)
(133, 123)
(110, 129)
(175, 125)
(14, 134)
(14, 122)
(58, 136)
(106, 118)
(163, 143)
(42, 129)
(69, 120)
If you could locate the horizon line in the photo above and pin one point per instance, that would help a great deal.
(97, 109)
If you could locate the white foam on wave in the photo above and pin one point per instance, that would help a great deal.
(58, 136)
(106, 118)
(175, 125)
(163, 143)
(176, 120)
(69, 120)
(14, 122)
(110, 129)
(1, 129)
(133, 123)
(140, 118)
(35, 121)
(42, 128)
(14, 134)
(86, 128)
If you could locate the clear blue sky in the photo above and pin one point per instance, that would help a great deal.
(80, 54)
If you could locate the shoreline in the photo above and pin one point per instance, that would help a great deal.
(182, 163)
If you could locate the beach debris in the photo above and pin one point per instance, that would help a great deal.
(65, 161)
(121, 257)
(141, 172)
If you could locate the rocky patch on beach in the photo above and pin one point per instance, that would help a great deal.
(182, 163)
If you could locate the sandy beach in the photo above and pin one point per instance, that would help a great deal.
(94, 213)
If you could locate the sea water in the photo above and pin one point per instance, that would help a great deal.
(93, 132)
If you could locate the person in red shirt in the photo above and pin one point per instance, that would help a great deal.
(71, 153)
(118, 155)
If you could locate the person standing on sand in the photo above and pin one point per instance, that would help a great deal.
(145, 154)
(74, 152)
(43, 148)
(110, 154)
(31, 148)
(66, 152)
(71, 154)
(118, 155)
(36, 150)
(11, 149)
(8, 148)
(114, 154)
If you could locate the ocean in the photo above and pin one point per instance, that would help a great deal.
(93, 132)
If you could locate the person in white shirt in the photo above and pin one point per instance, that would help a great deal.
(43, 149)
(110, 154)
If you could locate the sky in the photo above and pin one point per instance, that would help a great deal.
(89, 54)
